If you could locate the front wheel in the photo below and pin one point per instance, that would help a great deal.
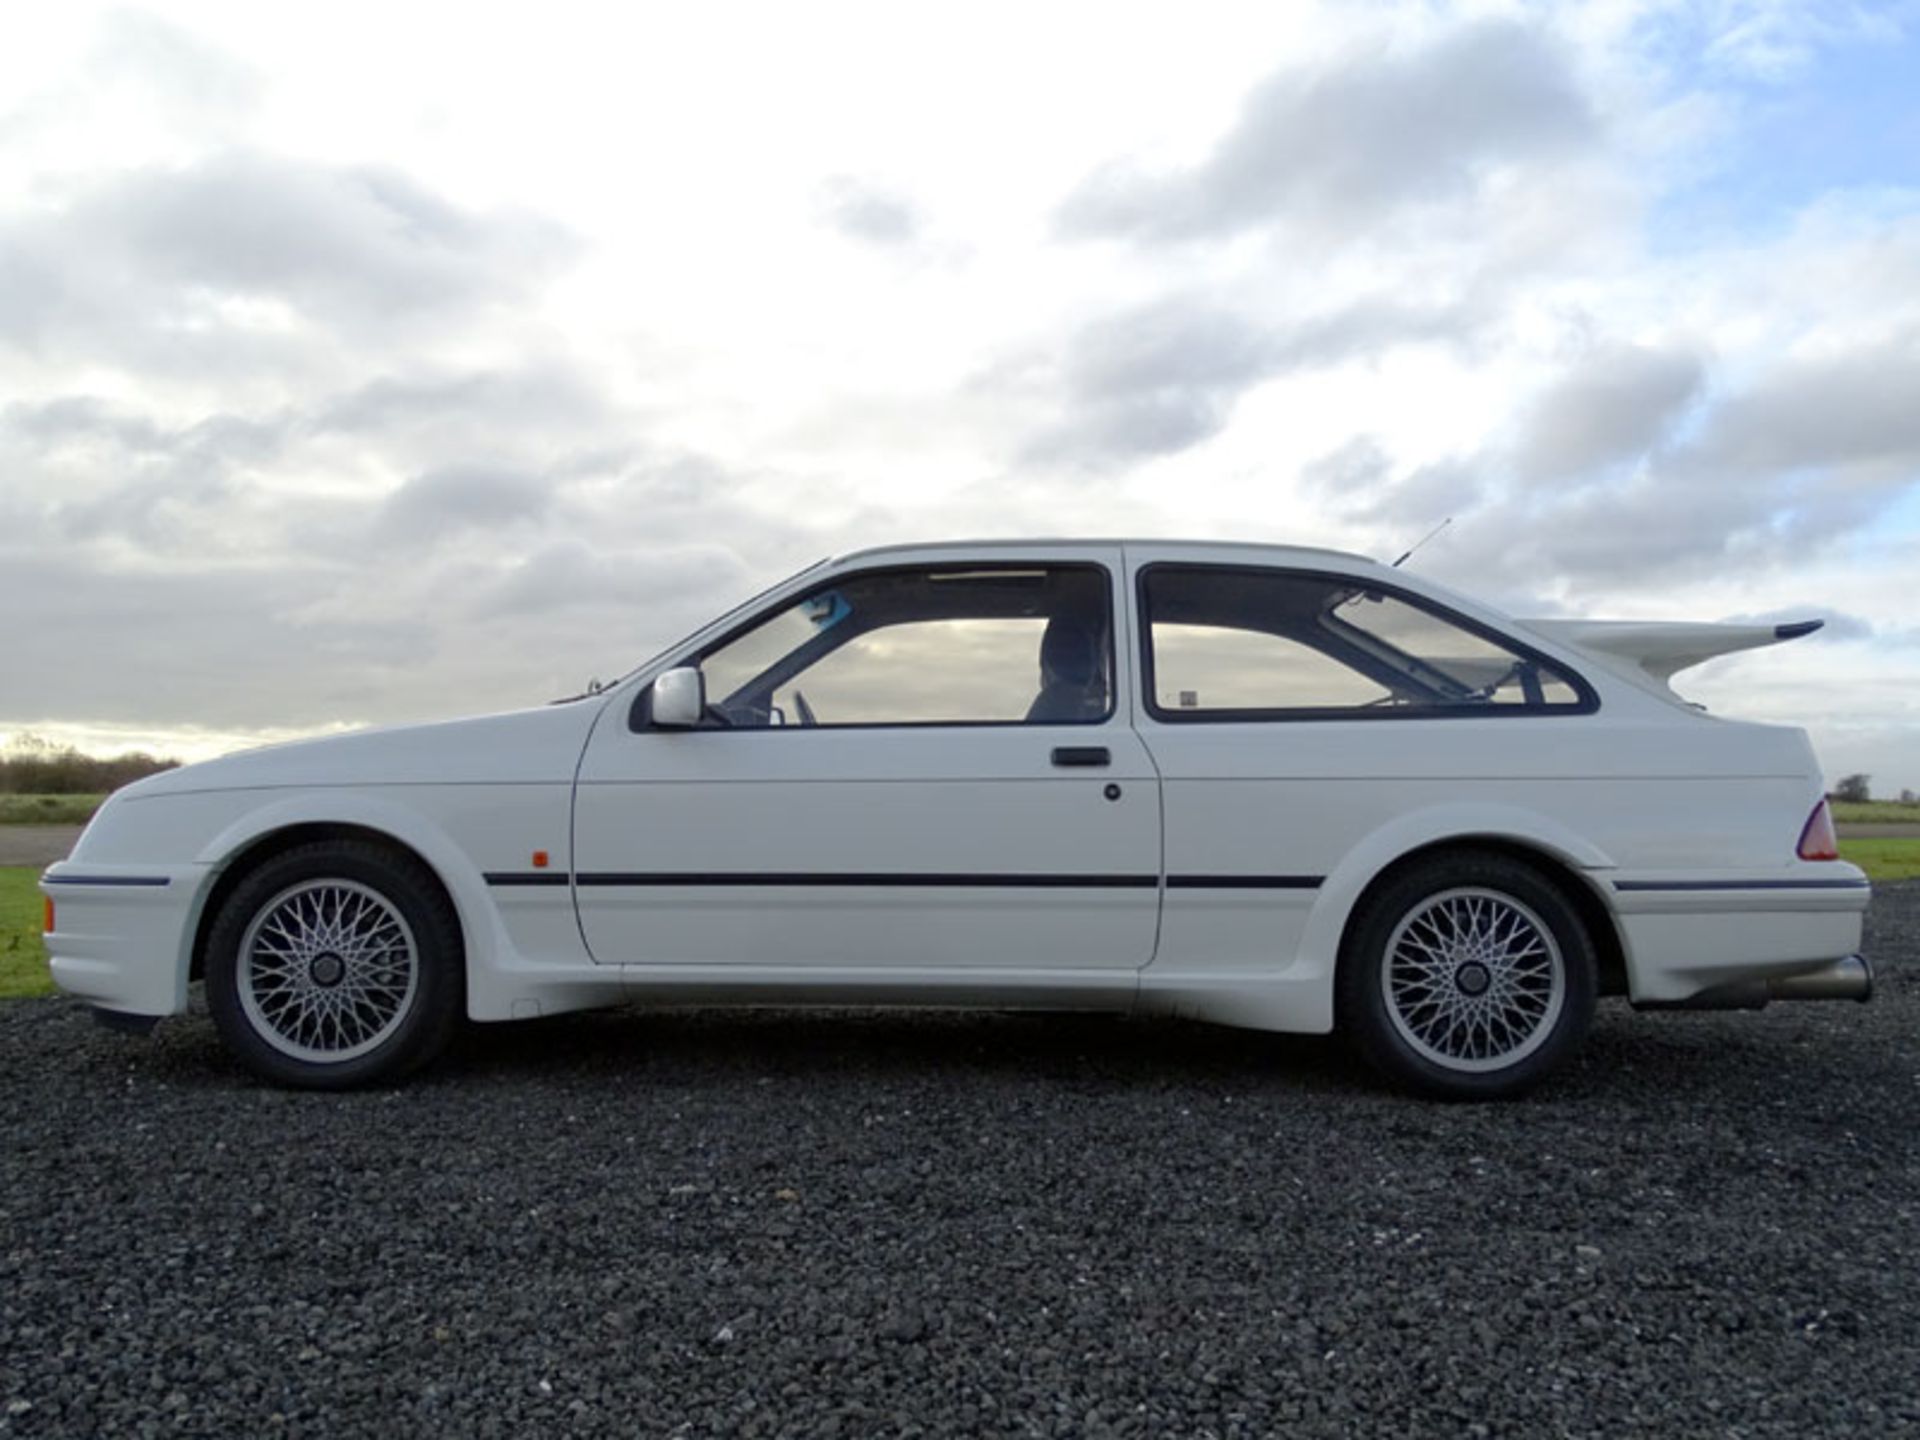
(1470, 977)
(335, 964)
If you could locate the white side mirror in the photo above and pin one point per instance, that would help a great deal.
(679, 698)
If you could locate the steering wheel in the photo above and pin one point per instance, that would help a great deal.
(803, 710)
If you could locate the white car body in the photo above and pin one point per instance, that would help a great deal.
(959, 864)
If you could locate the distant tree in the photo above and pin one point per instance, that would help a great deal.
(32, 765)
(1907, 797)
(1853, 787)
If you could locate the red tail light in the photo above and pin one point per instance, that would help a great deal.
(1817, 840)
(46, 927)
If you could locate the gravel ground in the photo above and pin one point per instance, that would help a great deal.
(875, 1225)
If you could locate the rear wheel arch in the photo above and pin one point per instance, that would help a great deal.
(1574, 887)
(1467, 971)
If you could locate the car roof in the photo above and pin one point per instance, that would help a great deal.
(1237, 548)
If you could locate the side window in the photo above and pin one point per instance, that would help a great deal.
(1223, 667)
(1224, 641)
(989, 646)
(1489, 672)
(924, 672)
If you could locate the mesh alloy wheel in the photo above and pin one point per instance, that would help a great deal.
(327, 970)
(334, 964)
(1473, 980)
(1468, 974)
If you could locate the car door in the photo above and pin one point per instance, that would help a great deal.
(888, 777)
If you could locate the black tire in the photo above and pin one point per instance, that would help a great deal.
(384, 1005)
(1467, 934)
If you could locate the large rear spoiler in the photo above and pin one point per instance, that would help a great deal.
(1661, 649)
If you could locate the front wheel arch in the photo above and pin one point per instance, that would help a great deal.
(335, 964)
(258, 851)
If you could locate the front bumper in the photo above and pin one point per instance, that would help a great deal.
(123, 934)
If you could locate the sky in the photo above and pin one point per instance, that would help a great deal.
(363, 364)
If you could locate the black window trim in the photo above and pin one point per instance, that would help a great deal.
(640, 712)
(1587, 704)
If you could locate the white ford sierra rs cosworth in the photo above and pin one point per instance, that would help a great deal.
(1283, 788)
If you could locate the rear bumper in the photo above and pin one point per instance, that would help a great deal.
(123, 933)
(1849, 978)
(1683, 941)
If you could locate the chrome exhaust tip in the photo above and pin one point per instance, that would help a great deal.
(1850, 978)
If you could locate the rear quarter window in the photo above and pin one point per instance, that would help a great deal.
(1231, 642)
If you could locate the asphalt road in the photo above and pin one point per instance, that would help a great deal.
(915, 1225)
(36, 844)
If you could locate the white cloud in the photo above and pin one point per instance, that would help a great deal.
(1773, 38)
(864, 210)
(1351, 143)
(338, 362)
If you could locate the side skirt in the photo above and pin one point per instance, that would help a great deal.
(1113, 990)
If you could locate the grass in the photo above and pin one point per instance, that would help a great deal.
(1874, 812)
(48, 809)
(1884, 859)
(23, 959)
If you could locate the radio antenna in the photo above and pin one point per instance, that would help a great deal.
(1422, 540)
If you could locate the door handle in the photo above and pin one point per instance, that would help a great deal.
(1081, 755)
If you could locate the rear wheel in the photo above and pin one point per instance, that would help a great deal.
(335, 964)
(1469, 977)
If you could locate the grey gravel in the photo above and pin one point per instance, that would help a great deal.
(823, 1225)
